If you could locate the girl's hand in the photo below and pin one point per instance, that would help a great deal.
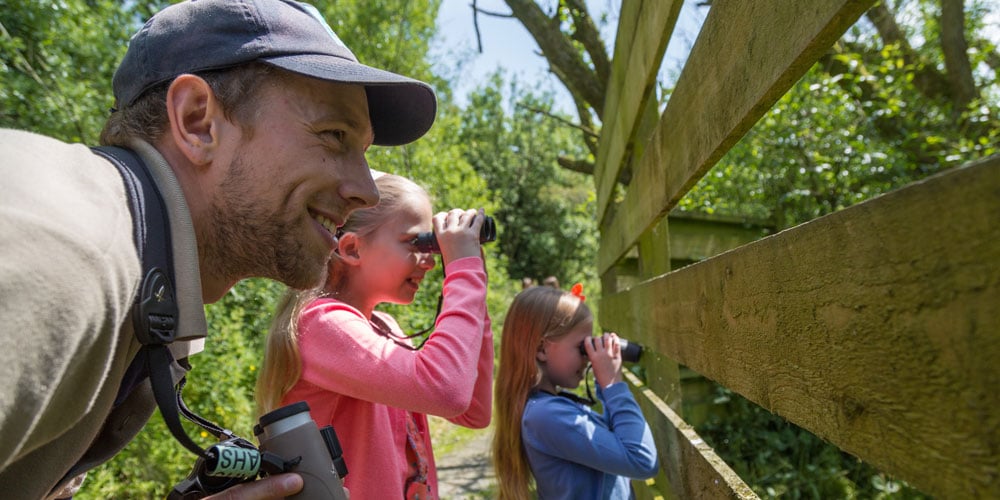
(605, 357)
(457, 232)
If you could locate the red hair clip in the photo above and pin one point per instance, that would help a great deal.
(578, 291)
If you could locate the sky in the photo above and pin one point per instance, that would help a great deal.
(506, 44)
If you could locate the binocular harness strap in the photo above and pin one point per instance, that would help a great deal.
(154, 312)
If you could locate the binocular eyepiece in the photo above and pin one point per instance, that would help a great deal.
(631, 351)
(427, 242)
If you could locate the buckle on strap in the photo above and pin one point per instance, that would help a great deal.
(156, 309)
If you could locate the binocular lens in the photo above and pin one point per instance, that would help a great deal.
(631, 351)
(427, 242)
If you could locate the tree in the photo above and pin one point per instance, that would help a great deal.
(544, 212)
(56, 63)
(570, 42)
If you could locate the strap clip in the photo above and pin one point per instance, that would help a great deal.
(156, 309)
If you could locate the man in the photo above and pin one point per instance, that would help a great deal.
(254, 119)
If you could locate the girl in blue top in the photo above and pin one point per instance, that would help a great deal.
(555, 437)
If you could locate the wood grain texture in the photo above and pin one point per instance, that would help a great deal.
(876, 327)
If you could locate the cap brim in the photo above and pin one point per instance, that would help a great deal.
(401, 109)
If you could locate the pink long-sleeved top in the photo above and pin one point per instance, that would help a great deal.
(364, 383)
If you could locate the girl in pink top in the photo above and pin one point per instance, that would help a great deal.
(355, 366)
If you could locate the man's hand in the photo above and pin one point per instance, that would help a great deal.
(271, 487)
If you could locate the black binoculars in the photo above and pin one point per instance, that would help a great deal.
(630, 350)
(427, 242)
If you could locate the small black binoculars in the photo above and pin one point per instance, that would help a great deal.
(427, 242)
(630, 350)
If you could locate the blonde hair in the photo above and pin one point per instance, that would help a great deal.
(535, 315)
(282, 366)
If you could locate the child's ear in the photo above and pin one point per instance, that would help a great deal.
(348, 248)
(540, 354)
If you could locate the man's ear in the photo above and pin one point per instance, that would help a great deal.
(196, 118)
(349, 248)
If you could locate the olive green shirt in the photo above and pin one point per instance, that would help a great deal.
(68, 276)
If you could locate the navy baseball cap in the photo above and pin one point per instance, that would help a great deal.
(201, 35)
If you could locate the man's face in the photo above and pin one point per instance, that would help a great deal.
(291, 182)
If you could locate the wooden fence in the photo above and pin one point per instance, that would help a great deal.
(876, 327)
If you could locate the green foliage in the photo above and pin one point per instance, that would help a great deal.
(546, 212)
(56, 63)
(388, 34)
(857, 125)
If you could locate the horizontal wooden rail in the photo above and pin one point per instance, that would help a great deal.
(693, 468)
(747, 56)
(876, 327)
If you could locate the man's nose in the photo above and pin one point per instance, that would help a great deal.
(359, 190)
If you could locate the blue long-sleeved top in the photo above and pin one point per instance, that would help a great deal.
(575, 453)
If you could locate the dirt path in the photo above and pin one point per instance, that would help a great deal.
(466, 471)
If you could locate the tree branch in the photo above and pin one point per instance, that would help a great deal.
(586, 131)
(480, 10)
(956, 54)
(582, 166)
(586, 167)
(590, 37)
(475, 21)
(475, 25)
(929, 81)
(564, 60)
(585, 121)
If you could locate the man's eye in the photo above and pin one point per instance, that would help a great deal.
(337, 135)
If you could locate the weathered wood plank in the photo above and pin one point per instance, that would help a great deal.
(655, 249)
(628, 20)
(633, 78)
(693, 468)
(663, 375)
(876, 327)
(746, 57)
(694, 238)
